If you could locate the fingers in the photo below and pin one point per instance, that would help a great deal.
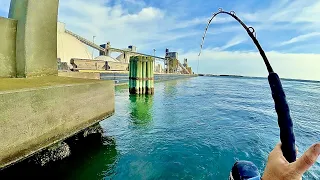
(277, 151)
(307, 159)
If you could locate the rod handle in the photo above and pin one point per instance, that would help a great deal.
(284, 120)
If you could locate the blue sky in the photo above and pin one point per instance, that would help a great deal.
(288, 30)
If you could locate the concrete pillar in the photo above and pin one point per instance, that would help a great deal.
(152, 77)
(137, 77)
(36, 44)
(8, 30)
(144, 75)
(141, 75)
(108, 45)
(133, 85)
(148, 77)
(134, 72)
(130, 75)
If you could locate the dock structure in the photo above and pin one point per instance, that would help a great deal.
(141, 75)
(171, 59)
(37, 108)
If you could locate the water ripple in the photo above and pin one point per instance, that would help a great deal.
(197, 128)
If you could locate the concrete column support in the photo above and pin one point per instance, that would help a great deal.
(141, 76)
(152, 76)
(144, 75)
(148, 77)
(8, 29)
(134, 72)
(130, 74)
(137, 77)
(36, 44)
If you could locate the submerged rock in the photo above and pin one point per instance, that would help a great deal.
(54, 153)
(64, 149)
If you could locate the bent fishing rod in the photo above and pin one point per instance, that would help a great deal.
(281, 106)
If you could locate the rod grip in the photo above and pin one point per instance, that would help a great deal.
(284, 120)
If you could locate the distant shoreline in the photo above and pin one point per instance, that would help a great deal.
(239, 76)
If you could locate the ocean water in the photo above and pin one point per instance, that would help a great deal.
(196, 129)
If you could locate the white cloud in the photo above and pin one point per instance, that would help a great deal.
(109, 23)
(300, 38)
(165, 38)
(298, 15)
(148, 27)
(233, 42)
(287, 65)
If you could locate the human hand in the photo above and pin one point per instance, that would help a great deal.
(278, 168)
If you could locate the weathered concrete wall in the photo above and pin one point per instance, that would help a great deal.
(83, 75)
(8, 30)
(36, 52)
(123, 77)
(115, 66)
(37, 112)
(88, 64)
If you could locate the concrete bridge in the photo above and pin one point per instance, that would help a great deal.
(127, 52)
(38, 108)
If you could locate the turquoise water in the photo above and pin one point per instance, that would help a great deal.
(195, 129)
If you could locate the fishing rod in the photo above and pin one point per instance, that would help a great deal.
(281, 106)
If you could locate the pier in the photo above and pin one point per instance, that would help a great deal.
(141, 79)
(38, 108)
(43, 101)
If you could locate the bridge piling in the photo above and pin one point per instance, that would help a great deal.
(141, 75)
(144, 75)
(130, 74)
(152, 77)
(148, 78)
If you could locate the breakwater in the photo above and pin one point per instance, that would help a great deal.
(123, 78)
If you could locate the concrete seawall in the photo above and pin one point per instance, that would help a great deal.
(123, 77)
(40, 109)
(38, 112)
(82, 75)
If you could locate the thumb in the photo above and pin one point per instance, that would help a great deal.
(307, 159)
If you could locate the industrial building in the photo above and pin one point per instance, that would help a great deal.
(73, 54)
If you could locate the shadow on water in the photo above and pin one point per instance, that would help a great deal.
(94, 157)
(141, 106)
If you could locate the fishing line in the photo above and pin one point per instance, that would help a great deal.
(281, 106)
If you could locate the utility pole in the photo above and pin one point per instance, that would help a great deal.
(92, 48)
